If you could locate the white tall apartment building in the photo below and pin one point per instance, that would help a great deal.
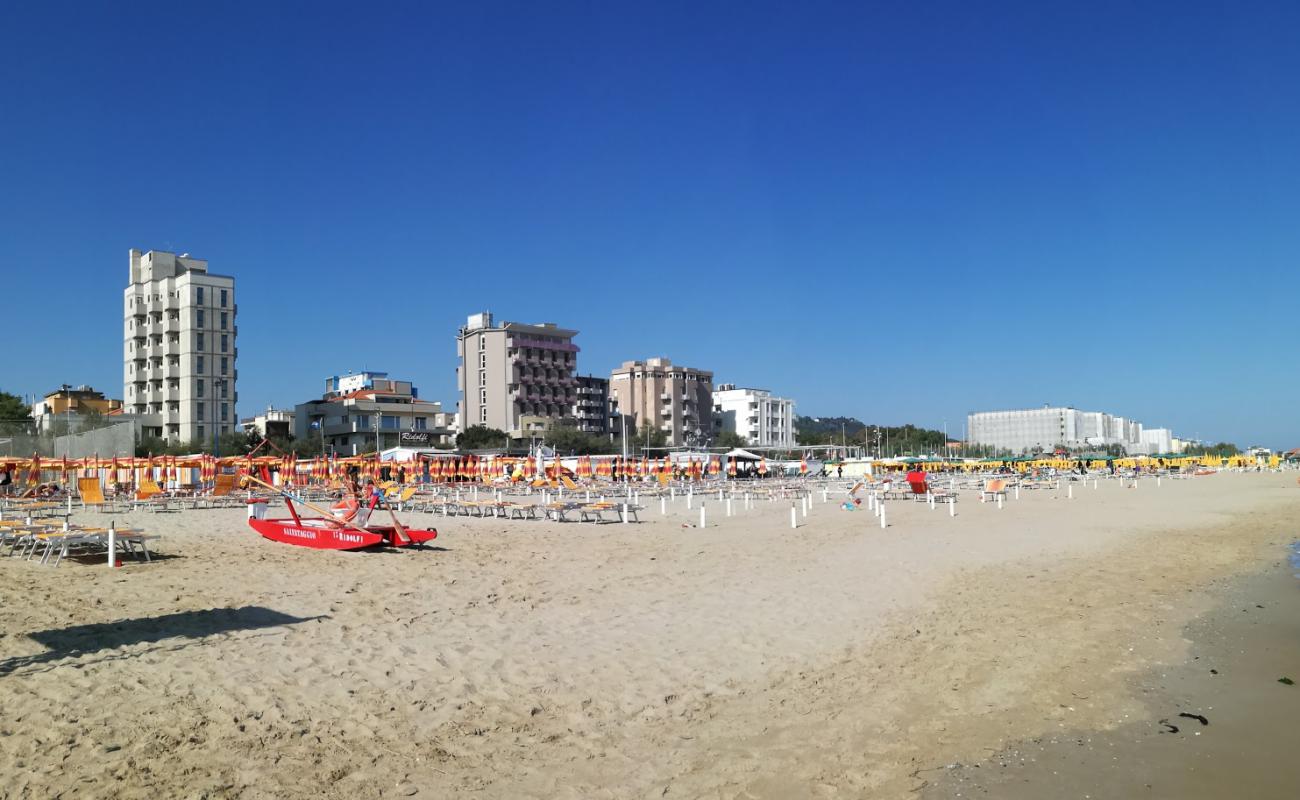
(179, 347)
(764, 420)
(1043, 429)
(1158, 440)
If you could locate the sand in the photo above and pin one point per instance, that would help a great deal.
(536, 659)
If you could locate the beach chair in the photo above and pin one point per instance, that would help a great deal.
(993, 490)
(92, 493)
(922, 491)
(568, 483)
(403, 497)
(559, 511)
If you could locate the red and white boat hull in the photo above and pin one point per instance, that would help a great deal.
(321, 534)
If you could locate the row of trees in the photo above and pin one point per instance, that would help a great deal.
(566, 439)
(887, 440)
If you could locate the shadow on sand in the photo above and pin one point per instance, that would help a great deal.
(185, 627)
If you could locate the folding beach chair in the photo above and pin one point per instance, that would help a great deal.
(92, 493)
(993, 490)
(922, 492)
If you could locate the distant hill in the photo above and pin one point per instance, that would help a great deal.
(816, 426)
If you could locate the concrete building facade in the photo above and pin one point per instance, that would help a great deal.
(761, 418)
(591, 408)
(515, 377)
(674, 399)
(180, 348)
(367, 411)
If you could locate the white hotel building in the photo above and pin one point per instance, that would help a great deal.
(179, 347)
(764, 420)
(1043, 429)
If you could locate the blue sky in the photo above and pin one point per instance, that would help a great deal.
(901, 212)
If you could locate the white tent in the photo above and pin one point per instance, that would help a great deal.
(738, 453)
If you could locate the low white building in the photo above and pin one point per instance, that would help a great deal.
(272, 422)
(761, 418)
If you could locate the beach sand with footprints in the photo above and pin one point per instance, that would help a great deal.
(540, 659)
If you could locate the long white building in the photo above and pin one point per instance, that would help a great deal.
(1038, 430)
(761, 418)
(179, 347)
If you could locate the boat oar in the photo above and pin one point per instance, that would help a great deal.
(397, 526)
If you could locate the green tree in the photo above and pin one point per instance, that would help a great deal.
(568, 440)
(15, 416)
(731, 439)
(649, 436)
(479, 437)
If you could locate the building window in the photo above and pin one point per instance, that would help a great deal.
(482, 414)
(223, 320)
(482, 378)
(224, 409)
(482, 360)
(224, 342)
(388, 422)
(225, 365)
(225, 389)
(201, 435)
(198, 389)
(200, 318)
(482, 396)
(223, 299)
(421, 424)
(199, 342)
(198, 363)
(198, 295)
(198, 407)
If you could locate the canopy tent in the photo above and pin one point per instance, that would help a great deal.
(743, 455)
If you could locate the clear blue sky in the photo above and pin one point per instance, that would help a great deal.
(901, 212)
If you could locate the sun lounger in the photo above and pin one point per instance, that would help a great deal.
(404, 497)
(560, 511)
(92, 492)
(606, 512)
(922, 491)
(520, 510)
(993, 490)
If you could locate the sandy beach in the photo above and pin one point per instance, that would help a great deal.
(538, 659)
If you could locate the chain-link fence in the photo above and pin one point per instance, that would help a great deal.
(22, 439)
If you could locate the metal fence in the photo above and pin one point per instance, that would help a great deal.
(114, 439)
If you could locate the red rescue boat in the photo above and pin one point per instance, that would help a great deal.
(346, 527)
